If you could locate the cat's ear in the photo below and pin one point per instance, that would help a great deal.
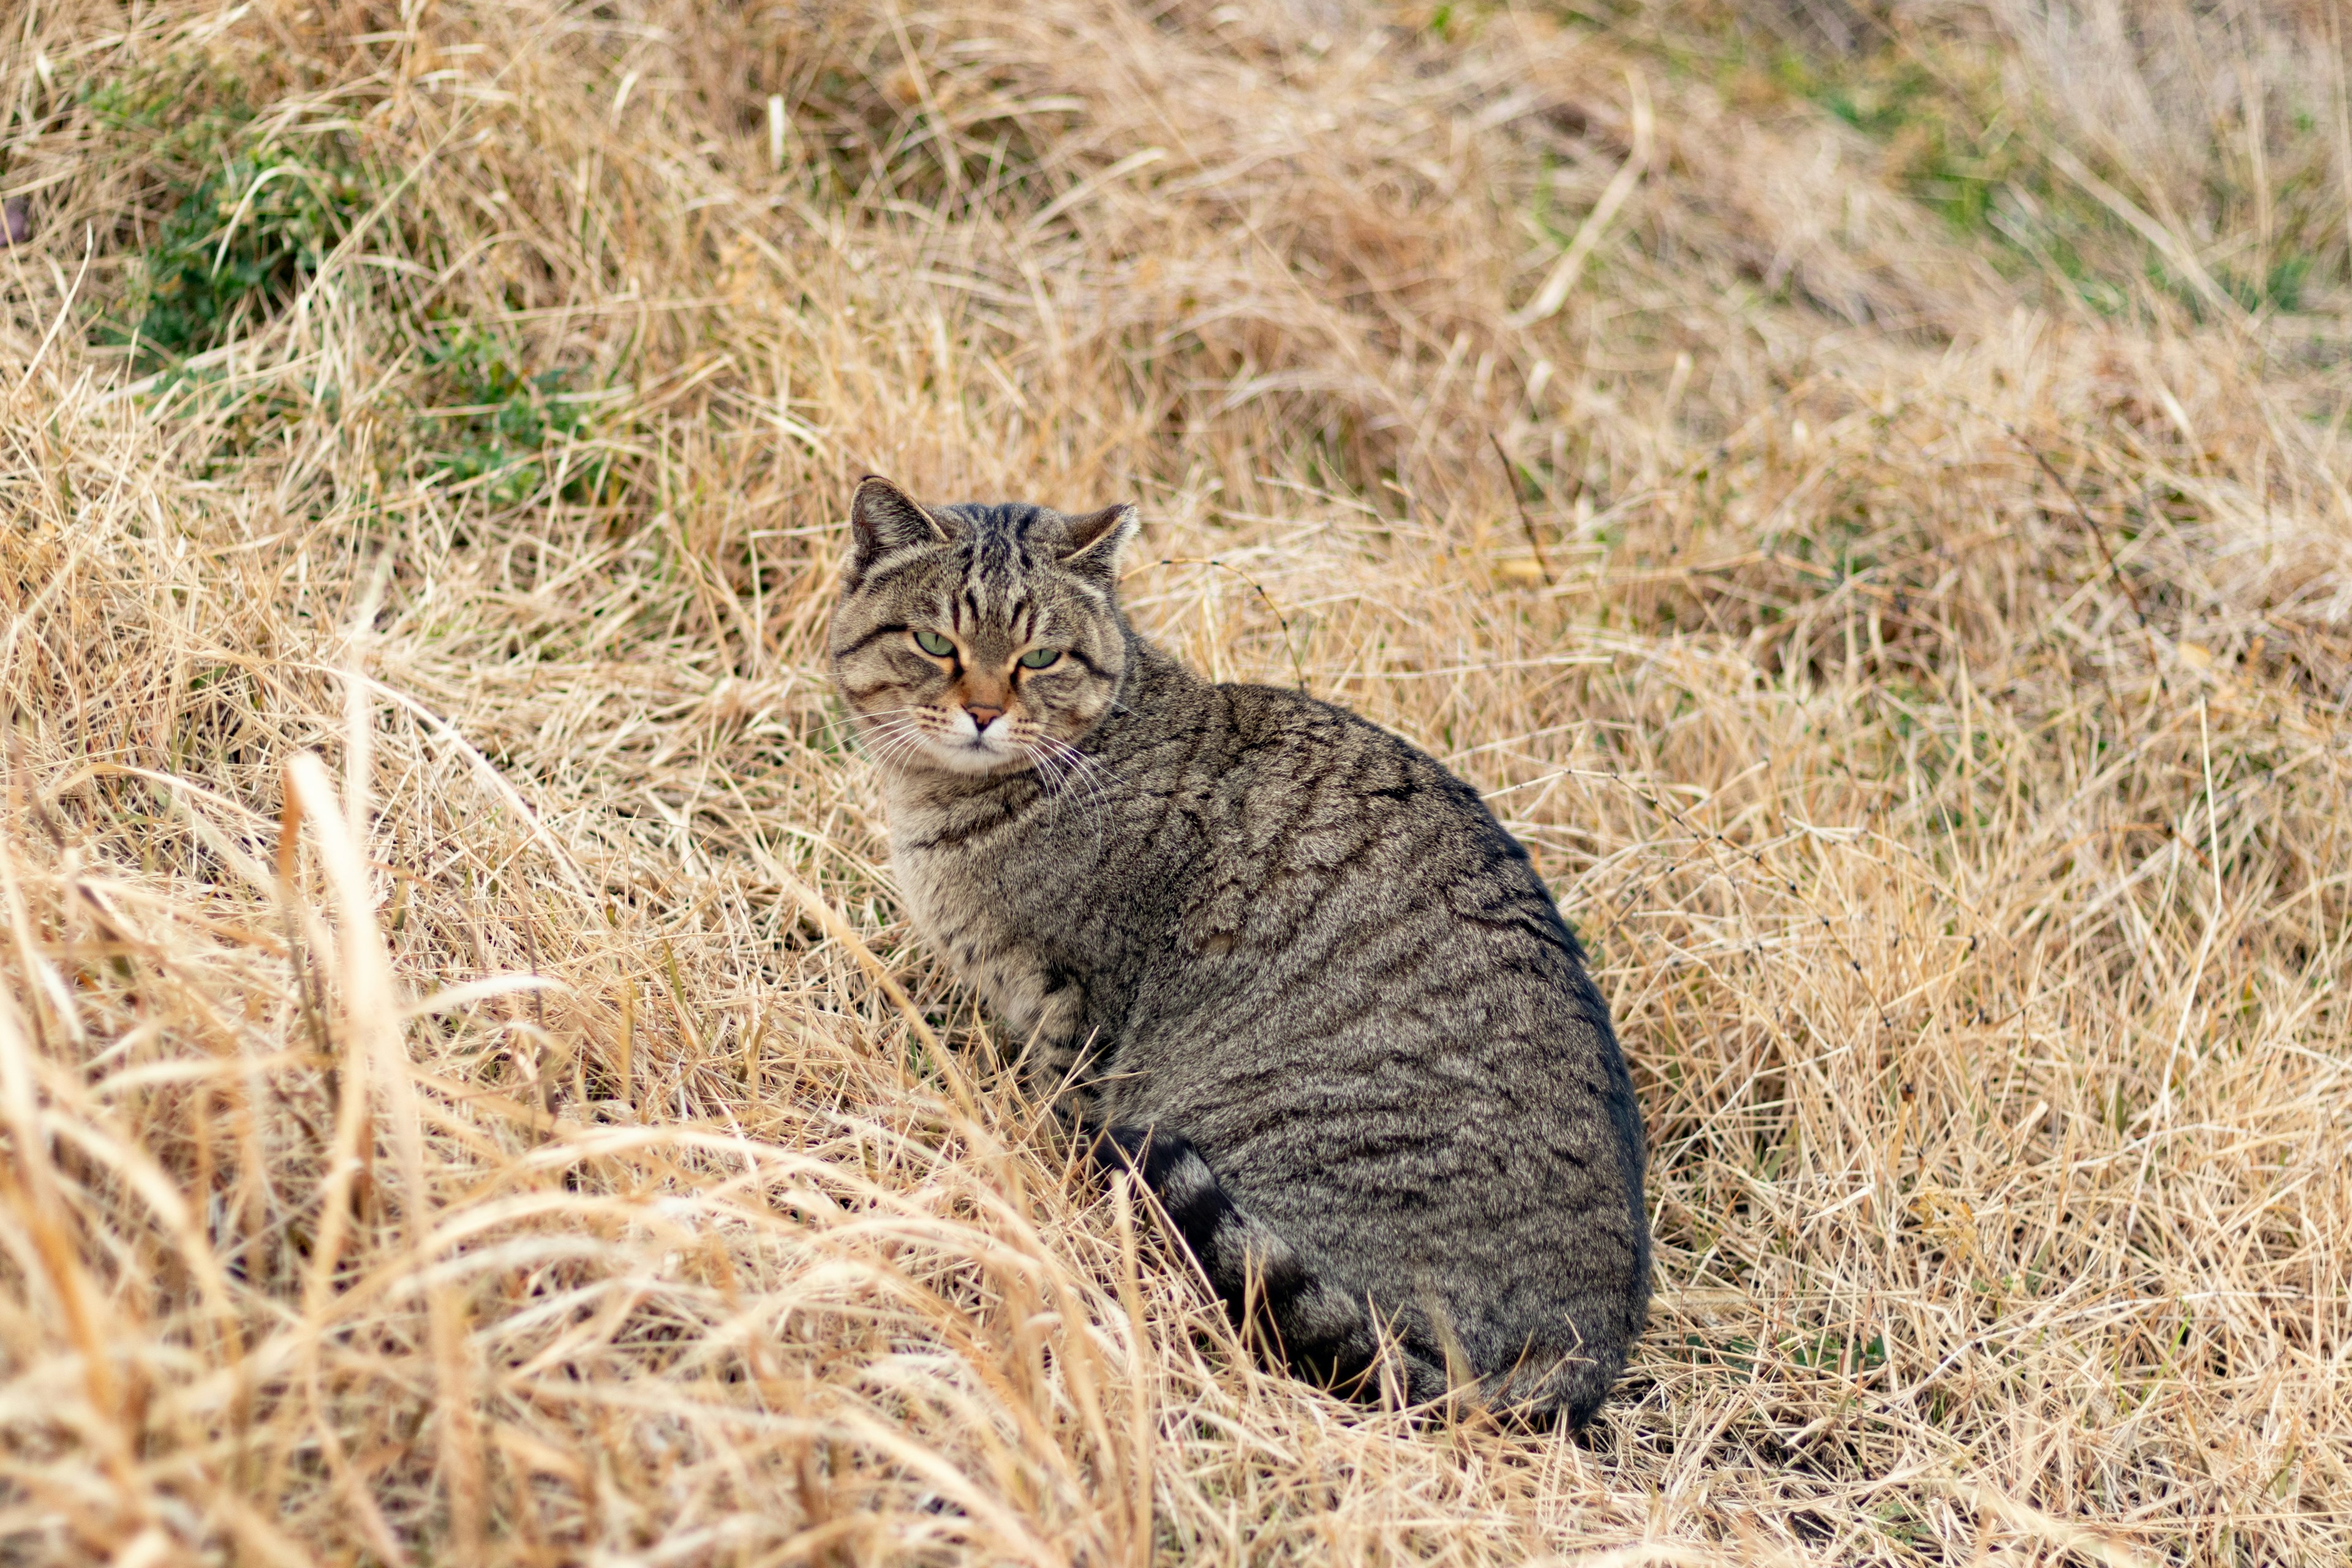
(884, 518)
(1092, 542)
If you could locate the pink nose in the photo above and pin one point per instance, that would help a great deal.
(981, 714)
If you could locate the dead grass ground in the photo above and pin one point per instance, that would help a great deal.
(470, 1093)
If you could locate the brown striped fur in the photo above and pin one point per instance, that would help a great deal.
(1286, 966)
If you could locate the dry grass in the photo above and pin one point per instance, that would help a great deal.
(468, 1092)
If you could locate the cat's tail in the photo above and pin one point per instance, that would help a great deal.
(1320, 1329)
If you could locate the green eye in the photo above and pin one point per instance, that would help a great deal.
(933, 643)
(1039, 658)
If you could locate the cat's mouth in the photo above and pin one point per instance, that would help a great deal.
(982, 753)
(957, 745)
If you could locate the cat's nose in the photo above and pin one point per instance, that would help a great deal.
(982, 714)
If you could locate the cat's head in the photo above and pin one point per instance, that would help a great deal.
(978, 639)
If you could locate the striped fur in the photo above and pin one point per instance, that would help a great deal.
(1290, 968)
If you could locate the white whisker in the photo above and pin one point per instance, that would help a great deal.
(1065, 773)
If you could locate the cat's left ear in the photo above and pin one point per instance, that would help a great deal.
(1092, 542)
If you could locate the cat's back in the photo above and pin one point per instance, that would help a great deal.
(1296, 835)
(1354, 931)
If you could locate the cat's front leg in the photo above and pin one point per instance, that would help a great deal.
(1041, 1006)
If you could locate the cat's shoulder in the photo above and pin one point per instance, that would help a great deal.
(1275, 713)
(1309, 733)
(1278, 734)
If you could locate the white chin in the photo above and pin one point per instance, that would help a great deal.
(975, 756)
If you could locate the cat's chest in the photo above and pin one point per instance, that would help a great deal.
(987, 908)
(956, 898)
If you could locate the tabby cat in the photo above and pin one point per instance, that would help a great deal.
(1274, 960)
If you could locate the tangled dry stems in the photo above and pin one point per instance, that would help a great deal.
(469, 1090)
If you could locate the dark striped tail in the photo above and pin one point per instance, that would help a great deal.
(1261, 1278)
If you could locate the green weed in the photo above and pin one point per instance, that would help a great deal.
(500, 428)
(250, 221)
(239, 244)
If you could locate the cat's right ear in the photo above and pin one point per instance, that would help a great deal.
(882, 519)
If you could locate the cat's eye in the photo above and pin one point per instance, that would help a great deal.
(1039, 658)
(933, 643)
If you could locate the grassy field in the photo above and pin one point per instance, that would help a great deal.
(1863, 490)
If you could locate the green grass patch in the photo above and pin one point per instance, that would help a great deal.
(237, 246)
(506, 430)
(248, 220)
